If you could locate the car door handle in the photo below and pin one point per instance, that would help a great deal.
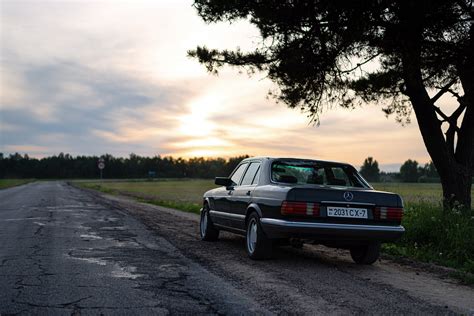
(229, 193)
(248, 193)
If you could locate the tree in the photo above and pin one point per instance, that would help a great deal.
(429, 170)
(409, 171)
(404, 55)
(370, 169)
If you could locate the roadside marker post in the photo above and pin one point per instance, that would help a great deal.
(101, 165)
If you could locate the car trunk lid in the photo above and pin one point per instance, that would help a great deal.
(338, 195)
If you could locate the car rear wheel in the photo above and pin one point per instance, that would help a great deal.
(258, 245)
(206, 228)
(366, 254)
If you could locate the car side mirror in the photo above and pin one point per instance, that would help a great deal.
(224, 181)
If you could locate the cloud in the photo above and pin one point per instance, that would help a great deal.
(113, 77)
(92, 111)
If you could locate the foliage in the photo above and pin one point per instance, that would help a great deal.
(8, 183)
(401, 55)
(65, 166)
(428, 173)
(409, 171)
(370, 170)
(429, 170)
(433, 236)
(316, 50)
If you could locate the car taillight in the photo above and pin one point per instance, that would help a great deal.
(389, 213)
(299, 208)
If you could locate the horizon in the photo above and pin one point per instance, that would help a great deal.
(89, 77)
(388, 168)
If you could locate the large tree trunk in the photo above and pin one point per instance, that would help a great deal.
(454, 163)
(456, 190)
(465, 146)
(454, 168)
(455, 174)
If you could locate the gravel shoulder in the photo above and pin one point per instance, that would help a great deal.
(313, 280)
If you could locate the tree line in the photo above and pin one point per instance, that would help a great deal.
(65, 166)
(410, 171)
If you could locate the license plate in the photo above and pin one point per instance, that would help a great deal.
(350, 212)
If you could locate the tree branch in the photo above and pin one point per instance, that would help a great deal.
(450, 133)
(443, 90)
(360, 64)
(459, 97)
(441, 113)
(454, 117)
(466, 7)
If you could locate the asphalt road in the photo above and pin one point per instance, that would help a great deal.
(73, 252)
(63, 252)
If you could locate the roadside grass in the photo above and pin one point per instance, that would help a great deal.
(184, 194)
(435, 237)
(8, 183)
(431, 236)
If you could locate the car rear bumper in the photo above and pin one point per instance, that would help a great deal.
(278, 228)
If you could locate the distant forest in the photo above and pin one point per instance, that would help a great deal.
(65, 166)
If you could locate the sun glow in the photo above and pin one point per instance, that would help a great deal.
(196, 122)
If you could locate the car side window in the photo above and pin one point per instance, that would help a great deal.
(250, 174)
(237, 175)
(257, 176)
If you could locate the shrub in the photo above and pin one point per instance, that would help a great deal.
(434, 236)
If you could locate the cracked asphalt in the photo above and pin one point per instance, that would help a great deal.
(62, 252)
(67, 251)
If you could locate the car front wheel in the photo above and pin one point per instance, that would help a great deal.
(258, 245)
(206, 228)
(366, 254)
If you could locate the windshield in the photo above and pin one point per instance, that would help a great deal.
(315, 172)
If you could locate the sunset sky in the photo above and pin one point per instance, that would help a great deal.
(94, 77)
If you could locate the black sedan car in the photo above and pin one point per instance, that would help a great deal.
(275, 201)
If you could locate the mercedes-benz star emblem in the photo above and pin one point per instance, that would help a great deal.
(348, 196)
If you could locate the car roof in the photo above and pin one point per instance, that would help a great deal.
(295, 159)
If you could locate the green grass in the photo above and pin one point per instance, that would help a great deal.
(431, 236)
(184, 195)
(430, 193)
(435, 237)
(8, 183)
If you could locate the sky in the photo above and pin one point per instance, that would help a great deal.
(95, 77)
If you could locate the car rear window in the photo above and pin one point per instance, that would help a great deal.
(315, 172)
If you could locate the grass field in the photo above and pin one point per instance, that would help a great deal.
(415, 192)
(191, 190)
(7, 183)
(431, 235)
(183, 194)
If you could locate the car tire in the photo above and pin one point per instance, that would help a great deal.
(366, 254)
(207, 230)
(257, 244)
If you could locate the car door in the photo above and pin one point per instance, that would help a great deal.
(242, 195)
(223, 216)
(219, 200)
